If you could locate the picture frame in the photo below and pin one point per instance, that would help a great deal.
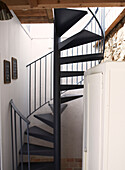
(7, 75)
(14, 69)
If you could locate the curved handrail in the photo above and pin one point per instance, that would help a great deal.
(39, 58)
(91, 18)
(18, 112)
(100, 29)
(15, 135)
(38, 108)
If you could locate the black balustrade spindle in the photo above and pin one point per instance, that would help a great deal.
(15, 127)
(29, 89)
(45, 78)
(72, 66)
(51, 72)
(40, 84)
(12, 138)
(28, 147)
(77, 67)
(35, 86)
(21, 143)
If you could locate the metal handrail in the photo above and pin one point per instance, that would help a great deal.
(18, 112)
(39, 59)
(91, 19)
(97, 21)
(100, 29)
(15, 136)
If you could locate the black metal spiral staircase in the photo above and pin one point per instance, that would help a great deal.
(63, 21)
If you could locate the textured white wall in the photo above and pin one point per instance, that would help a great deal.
(14, 42)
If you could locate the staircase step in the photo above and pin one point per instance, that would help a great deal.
(37, 158)
(66, 18)
(46, 118)
(70, 87)
(68, 98)
(83, 37)
(38, 166)
(38, 150)
(81, 58)
(71, 73)
(63, 107)
(40, 133)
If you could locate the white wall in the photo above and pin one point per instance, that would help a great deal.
(41, 47)
(14, 42)
(72, 127)
(42, 39)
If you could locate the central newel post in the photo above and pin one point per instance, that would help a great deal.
(57, 115)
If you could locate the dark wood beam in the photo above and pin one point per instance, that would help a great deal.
(31, 12)
(34, 20)
(23, 4)
(35, 15)
(49, 13)
(33, 3)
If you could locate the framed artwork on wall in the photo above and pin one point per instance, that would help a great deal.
(14, 69)
(7, 76)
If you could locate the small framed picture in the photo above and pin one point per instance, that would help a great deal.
(14, 69)
(7, 76)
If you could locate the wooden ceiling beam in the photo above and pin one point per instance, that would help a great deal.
(33, 3)
(20, 5)
(31, 12)
(33, 20)
(49, 13)
(35, 15)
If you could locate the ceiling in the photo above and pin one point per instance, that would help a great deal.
(40, 11)
(35, 16)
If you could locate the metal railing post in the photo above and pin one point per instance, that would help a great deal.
(72, 66)
(45, 79)
(28, 147)
(29, 89)
(21, 143)
(51, 78)
(15, 127)
(35, 86)
(12, 138)
(40, 83)
(77, 67)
